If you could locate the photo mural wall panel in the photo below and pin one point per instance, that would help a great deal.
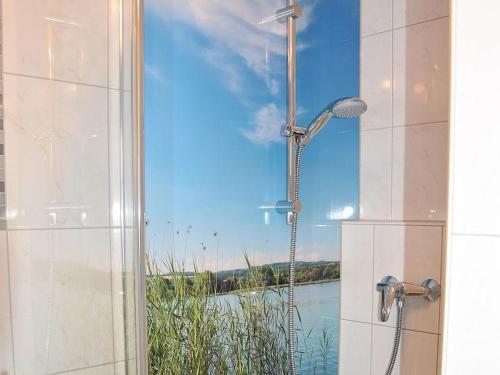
(215, 160)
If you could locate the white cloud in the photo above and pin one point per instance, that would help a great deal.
(153, 73)
(266, 126)
(232, 27)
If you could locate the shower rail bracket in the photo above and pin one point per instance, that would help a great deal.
(282, 14)
(289, 131)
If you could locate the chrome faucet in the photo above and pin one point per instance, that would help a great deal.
(390, 289)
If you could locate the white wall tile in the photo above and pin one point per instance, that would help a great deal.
(357, 272)
(419, 172)
(421, 73)
(61, 299)
(56, 154)
(56, 39)
(375, 174)
(475, 172)
(418, 352)
(407, 12)
(355, 348)
(4, 278)
(411, 254)
(382, 343)
(376, 16)
(6, 354)
(376, 80)
(472, 282)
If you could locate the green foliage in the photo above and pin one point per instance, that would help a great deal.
(192, 331)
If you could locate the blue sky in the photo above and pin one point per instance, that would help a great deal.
(215, 89)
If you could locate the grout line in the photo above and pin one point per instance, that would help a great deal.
(461, 234)
(110, 212)
(9, 282)
(403, 27)
(60, 81)
(392, 114)
(63, 228)
(442, 123)
(392, 327)
(81, 368)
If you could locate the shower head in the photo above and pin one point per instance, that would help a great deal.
(341, 108)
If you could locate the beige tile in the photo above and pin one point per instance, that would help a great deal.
(375, 174)
(56, 39)
(61, 299)
(411, 254)
(355, 348)
(98, 370)
(418, 352)
(376, 80)
(6, 354)
(376, 16)
(472, 308)
(56, 154)
(421, 68)
(4, 278)
(407, 12)
(357, 272)
(420, 172)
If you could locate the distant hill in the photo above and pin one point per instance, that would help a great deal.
(280, 266)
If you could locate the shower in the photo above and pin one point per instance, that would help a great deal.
(297, 139)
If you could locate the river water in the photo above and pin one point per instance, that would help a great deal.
(319, 308)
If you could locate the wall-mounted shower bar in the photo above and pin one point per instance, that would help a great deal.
(291, 140)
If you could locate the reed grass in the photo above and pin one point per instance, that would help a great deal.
(193, 331)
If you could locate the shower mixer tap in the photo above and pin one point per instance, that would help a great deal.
(391, 289)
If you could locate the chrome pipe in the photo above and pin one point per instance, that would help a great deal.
(291, 140)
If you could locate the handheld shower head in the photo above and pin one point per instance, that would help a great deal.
(342, 108)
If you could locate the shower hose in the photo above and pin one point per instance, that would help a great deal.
(291, 284)
(397, 337)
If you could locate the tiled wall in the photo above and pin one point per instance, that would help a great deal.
(472, 321)
(62, 252)
(404, 134)
(409, 251)
(403, 184)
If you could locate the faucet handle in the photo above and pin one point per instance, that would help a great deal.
(432, 289)
(388, 291)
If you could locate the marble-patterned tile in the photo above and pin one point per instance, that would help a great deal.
(420, 172)
(408, 12)
(56, 39)
(56, 154)
(61, 299)
(357, 272)
(411, 254)
(421, 68)
(376, 80)
(375, 174)
(97, 370)
(376, 16)
(4, 278)
(6, 353)
(355, 348)
(418, 352)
